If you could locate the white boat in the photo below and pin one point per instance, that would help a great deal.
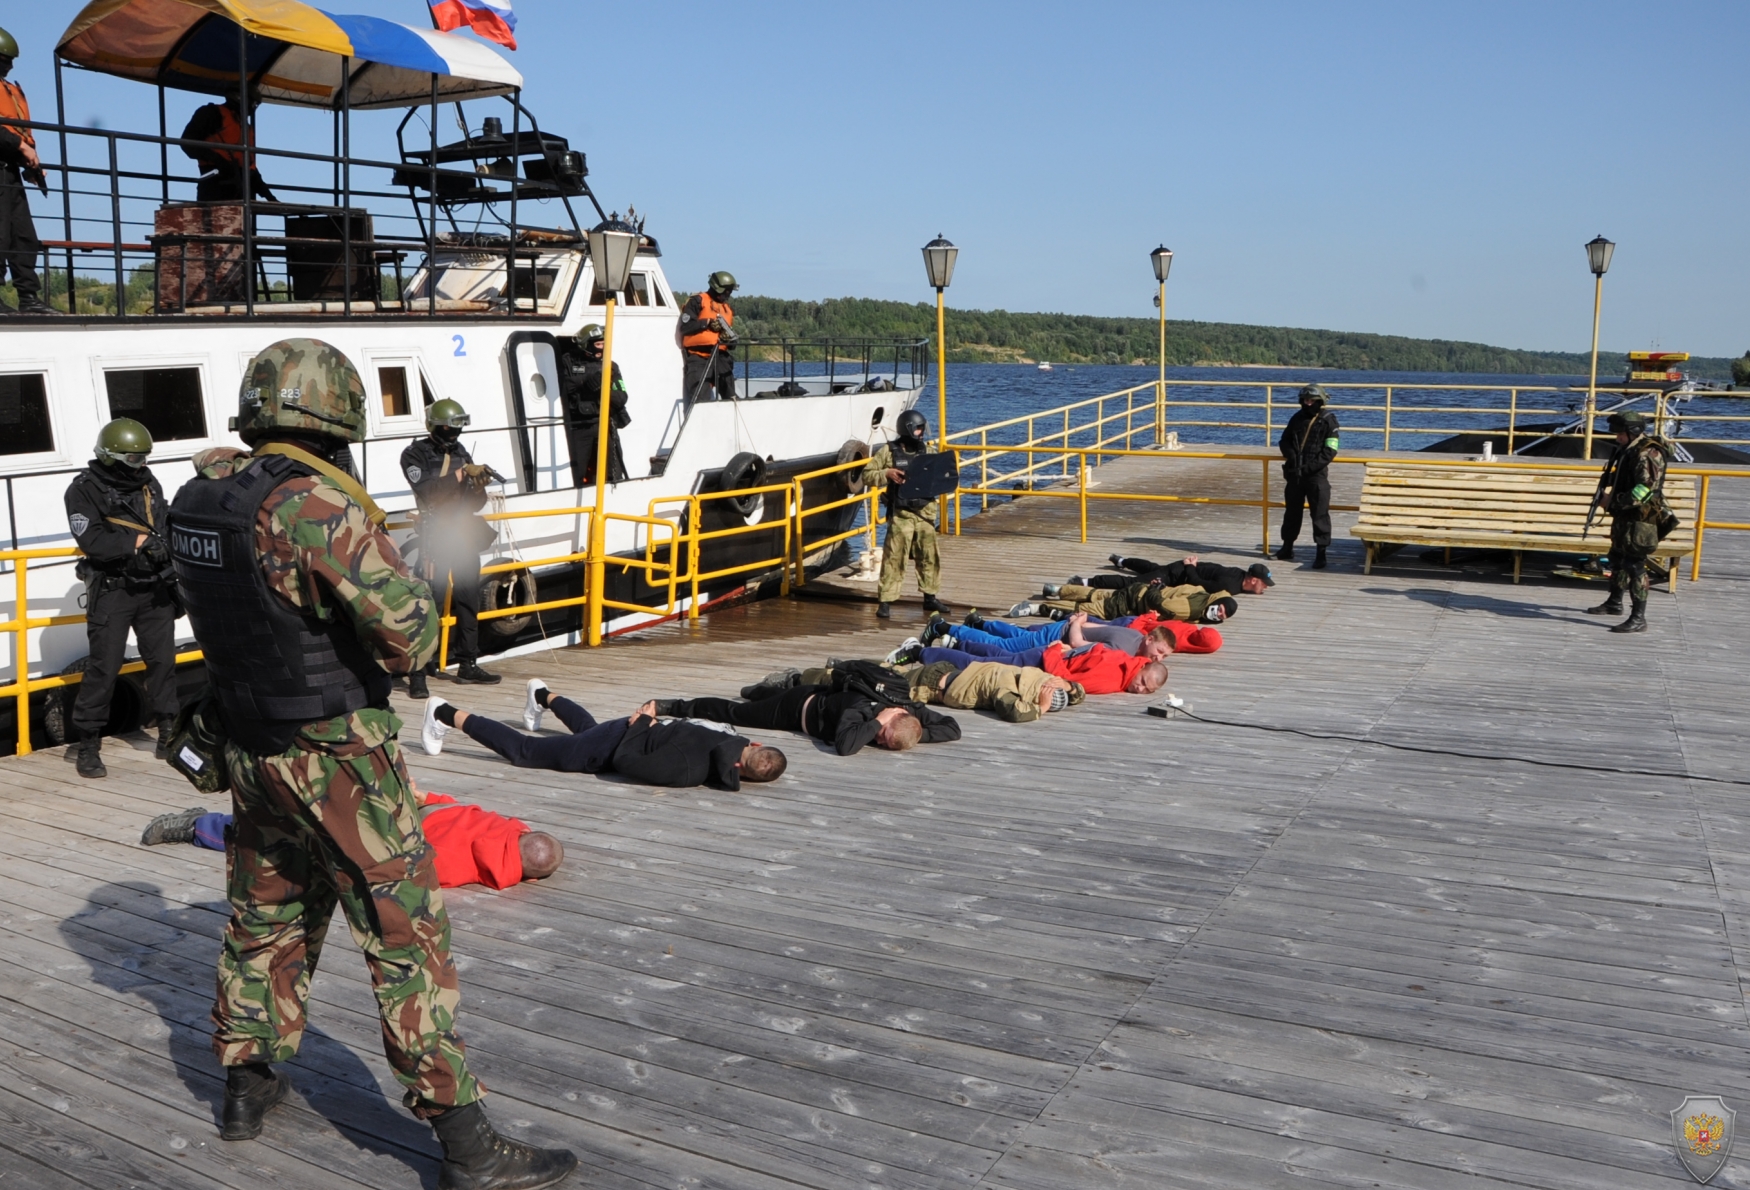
(1044, 366)
(445, 328)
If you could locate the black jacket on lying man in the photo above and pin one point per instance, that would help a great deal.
(1211, 576)
(852, 712)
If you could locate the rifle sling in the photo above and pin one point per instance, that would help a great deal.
(345, 482)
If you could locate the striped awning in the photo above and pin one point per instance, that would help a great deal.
(294, 53)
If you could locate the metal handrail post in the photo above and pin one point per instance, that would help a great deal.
(247, 147)
(443, 657)
(1269, 397)
(1264, 505)
(1082, 473)
(1700, 528)
(115, 226)
(1512, 417)
(801, 549)
(693, 556)
(1387, 417)
(21, 650)
(345, 186)
(66, 188)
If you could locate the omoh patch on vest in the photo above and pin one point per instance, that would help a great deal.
(197, 547)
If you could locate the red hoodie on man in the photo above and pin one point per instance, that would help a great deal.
(472, 845)
(1100, 669)
(1187, 638)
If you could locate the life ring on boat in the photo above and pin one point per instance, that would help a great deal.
(507, 588)
(854, 449)
(745, 470)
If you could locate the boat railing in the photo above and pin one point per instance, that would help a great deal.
(668, 555)
(841, 363)
(345, 247)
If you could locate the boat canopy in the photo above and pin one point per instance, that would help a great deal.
(294, 53)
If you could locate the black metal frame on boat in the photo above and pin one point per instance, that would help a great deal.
(551, 170)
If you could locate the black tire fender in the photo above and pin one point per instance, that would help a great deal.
(852, 481)
(745, 470)
(509, 588)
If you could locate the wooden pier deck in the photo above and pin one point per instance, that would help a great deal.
(1103, 950)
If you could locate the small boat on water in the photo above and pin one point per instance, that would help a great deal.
(1044, 366)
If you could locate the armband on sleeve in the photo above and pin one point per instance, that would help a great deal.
(1640, 492)
(1330, 444)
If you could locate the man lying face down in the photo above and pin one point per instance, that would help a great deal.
(471, 845)
(1098, 669)
(1013, 693)
(991, 637)
(853, 708)
(640, 746)
(1155, 641)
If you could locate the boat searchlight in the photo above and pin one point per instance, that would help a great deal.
(1163, 262)
(939, 257)
(1598, 252)
(613, 246)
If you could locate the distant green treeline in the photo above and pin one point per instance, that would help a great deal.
(1000, 336)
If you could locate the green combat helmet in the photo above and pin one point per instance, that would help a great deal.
(722, 283)
(301, 384)
(592, 333)
(8, 47)
(1627, 421)
(123, 440)
(446, 413)
(1316, 392)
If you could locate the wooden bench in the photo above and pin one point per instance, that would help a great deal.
(1491, 507)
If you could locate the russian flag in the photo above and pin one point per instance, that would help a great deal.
(491, 19)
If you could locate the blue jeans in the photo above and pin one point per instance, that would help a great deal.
(962, 657)
(999, 637)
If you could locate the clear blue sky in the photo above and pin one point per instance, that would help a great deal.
(1428, 170)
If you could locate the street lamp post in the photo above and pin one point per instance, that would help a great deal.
(939, 257)
(1163, 262)
(1598, 252)
(613, 246)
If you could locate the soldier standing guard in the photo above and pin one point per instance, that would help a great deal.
(911, 524)
(305, 608)
(450, 488)
(1308, 444)
(1632, 489)
(580, 367)
(115, 509)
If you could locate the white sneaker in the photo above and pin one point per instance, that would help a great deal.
(432, 733)
(1024, 608)
(532, 709)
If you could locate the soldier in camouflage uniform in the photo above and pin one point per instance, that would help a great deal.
(911, 524)
(1632, 489)
(304, 609)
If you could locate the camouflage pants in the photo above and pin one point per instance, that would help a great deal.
(1632, 542)
(909, 536)
(326, 823)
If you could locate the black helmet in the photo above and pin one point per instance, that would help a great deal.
(1316, 392)
(911, 425)
(1628, 422)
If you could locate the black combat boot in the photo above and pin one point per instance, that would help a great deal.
(470, 672)
(476, 1157)
(251, 1091)
(884, 611)
(89, 762)
(166, 729)
(416, 687)
(1286, 553)
(1318, 562)
(932, 604)
(1637, 619)
(1612, 606)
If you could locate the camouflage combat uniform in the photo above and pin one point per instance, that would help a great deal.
(911, 533)
(1637, 503)
(332, 820)
(1189, 602)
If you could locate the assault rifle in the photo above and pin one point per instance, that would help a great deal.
(1605, 479)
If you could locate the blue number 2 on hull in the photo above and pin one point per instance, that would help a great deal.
(461, 344)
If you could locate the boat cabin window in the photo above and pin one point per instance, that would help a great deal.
(397, 389)
(541, 280)
(640, 291)
(24, 415)
(167, 401)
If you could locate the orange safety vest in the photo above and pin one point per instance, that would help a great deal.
(14, 104)
(230, 133)
(701, 342)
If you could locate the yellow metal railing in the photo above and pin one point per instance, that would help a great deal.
(662, 535)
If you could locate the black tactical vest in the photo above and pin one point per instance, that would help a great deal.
(272, 668)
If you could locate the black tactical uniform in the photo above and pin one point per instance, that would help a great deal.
(451, 538)
(580, 386)
(1308, 444)
(109, 506)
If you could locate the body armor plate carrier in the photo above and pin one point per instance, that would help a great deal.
(273, 668)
